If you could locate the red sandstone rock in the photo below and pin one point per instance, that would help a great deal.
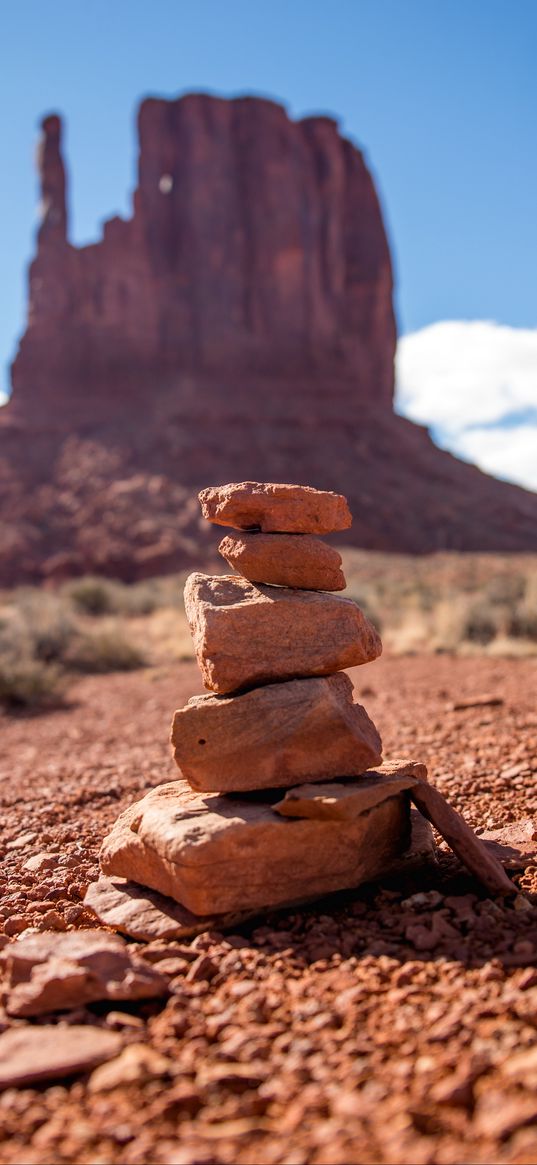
(476, 702)
(180, 287)
(346, 802)
(145, 914)
(136, 1064)
(273, 736)
(219, 854)
(213, 308)
(277, 509)
(462, 840)
(53, 211)
(514, 844)
(51, 972)
(285, 560)
(29, 1055)
(246, 635)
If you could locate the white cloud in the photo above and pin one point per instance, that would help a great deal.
(475, 385)
(3, 397)
(509, 452)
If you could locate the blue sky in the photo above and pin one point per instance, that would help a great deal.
(441, 95)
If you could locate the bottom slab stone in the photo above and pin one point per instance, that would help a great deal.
(217, 854)
(145, 914)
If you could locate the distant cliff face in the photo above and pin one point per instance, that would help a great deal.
(256, 246)
(238, 326)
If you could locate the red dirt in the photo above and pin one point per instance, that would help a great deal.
(393, 1024)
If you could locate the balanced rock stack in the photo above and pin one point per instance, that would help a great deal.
(272, 642)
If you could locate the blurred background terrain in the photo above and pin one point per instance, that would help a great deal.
(448, 603)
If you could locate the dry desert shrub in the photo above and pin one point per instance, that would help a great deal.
(44, 639)
(41, 624)
(449, 601)
(93, 596)
(96, 596)
(27, 677)
(104, 650)
(482, 623)
(27, 683)
(523, 619)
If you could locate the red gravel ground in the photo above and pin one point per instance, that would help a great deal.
(394, 1024)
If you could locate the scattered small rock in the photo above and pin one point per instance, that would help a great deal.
(40, 862)
(22, 841)
(29, 1055)
(123, 1019)
(56, 972)
(477, 702)
(514, 844)
(202, 968)
(136, 1064)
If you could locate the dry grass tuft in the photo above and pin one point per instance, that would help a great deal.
(44, 639)
(463, 603)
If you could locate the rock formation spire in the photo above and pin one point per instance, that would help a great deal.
(239, 324)
(51, 170)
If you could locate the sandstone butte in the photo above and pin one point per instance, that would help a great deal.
(285, 560)
(278, 735)
(238, 323)
(216, 854)
(246, 635)
(279, 509)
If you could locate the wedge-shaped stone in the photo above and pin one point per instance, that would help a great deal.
(246, 635)
(461, 838)
(275, 736)
(346, 802)
(217, 854)
(285, 560)
(281, 509)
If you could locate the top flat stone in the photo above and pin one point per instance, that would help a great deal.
(276, 509)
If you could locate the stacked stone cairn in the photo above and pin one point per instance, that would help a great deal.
(284, 796)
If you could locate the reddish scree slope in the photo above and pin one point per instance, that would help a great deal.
(239, 325)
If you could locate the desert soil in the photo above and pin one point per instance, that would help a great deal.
(393, 1024)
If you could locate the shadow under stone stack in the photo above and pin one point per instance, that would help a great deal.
(284, 797)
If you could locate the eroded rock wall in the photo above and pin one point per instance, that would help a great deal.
(238, 326)
(256, 246)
